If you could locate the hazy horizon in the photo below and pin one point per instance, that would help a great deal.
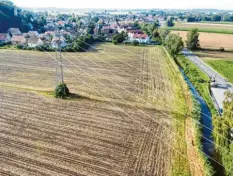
(121, 4)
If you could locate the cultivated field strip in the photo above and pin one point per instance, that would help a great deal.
(62, 139)
(40, 135)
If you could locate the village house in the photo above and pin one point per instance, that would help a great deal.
(141, 38)
(56, 43)
(44, 37)
(14, 31)
(131, 32)
(18, 40)
(33, 34)
(4, 38)
(107, 29)
(34, 42)
(50, 26)
(66, 34)
(61, 23)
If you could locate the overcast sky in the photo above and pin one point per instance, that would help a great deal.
(174, 4)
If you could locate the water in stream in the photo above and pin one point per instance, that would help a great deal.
(206, 119)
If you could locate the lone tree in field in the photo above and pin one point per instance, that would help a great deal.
(174, 44)
(62, 91)
(193, 39)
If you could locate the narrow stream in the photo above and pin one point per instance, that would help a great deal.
(206, 119)
(206, 129)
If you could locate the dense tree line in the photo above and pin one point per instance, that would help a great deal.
(172, 42)
(213, 17)
(80, 44)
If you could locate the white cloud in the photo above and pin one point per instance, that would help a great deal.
(181, 4)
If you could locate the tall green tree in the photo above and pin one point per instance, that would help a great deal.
(119, 38)
(170, 22)
(193, 39)
(174, 44)
(163, 33)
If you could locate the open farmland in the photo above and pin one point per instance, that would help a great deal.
(211, 40)
(221, 28)
(102, 133)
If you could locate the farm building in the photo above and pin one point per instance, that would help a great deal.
(4, 38)
(35, 41)
(18, 40)
(141, 38)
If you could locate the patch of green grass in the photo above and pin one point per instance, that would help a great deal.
(180, 163)
(224, 67)
(216, 22)
(208, 30)
(11, 47)
(199, 79)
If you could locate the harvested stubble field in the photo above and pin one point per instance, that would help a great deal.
(102, 133)
(211, 40)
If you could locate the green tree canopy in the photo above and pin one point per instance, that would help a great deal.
(170, 22)
(216, 17)
(119, 38)
(174, 44)
(193, 39)
(163, 33)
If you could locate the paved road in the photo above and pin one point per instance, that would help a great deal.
(220, 84)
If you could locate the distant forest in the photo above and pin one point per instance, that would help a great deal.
(24, 20)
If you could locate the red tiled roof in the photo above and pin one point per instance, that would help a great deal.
(136, 31)
(106, 27)
(3, 36)
(140, 36)
(61, 22)
(17, 38)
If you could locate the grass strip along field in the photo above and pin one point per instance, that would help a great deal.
(201, 82)
(100, 133)
(198, 78)
(204, 27)
(225, 68)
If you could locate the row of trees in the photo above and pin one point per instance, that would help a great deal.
(80, 44)
(174, 42)
(214, 17)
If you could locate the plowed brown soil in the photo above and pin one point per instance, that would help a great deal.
(102, 133)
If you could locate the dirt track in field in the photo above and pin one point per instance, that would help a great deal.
(44, 136)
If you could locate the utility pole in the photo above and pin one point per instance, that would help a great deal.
(59, 49)
(62, 76)
(59, 70)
